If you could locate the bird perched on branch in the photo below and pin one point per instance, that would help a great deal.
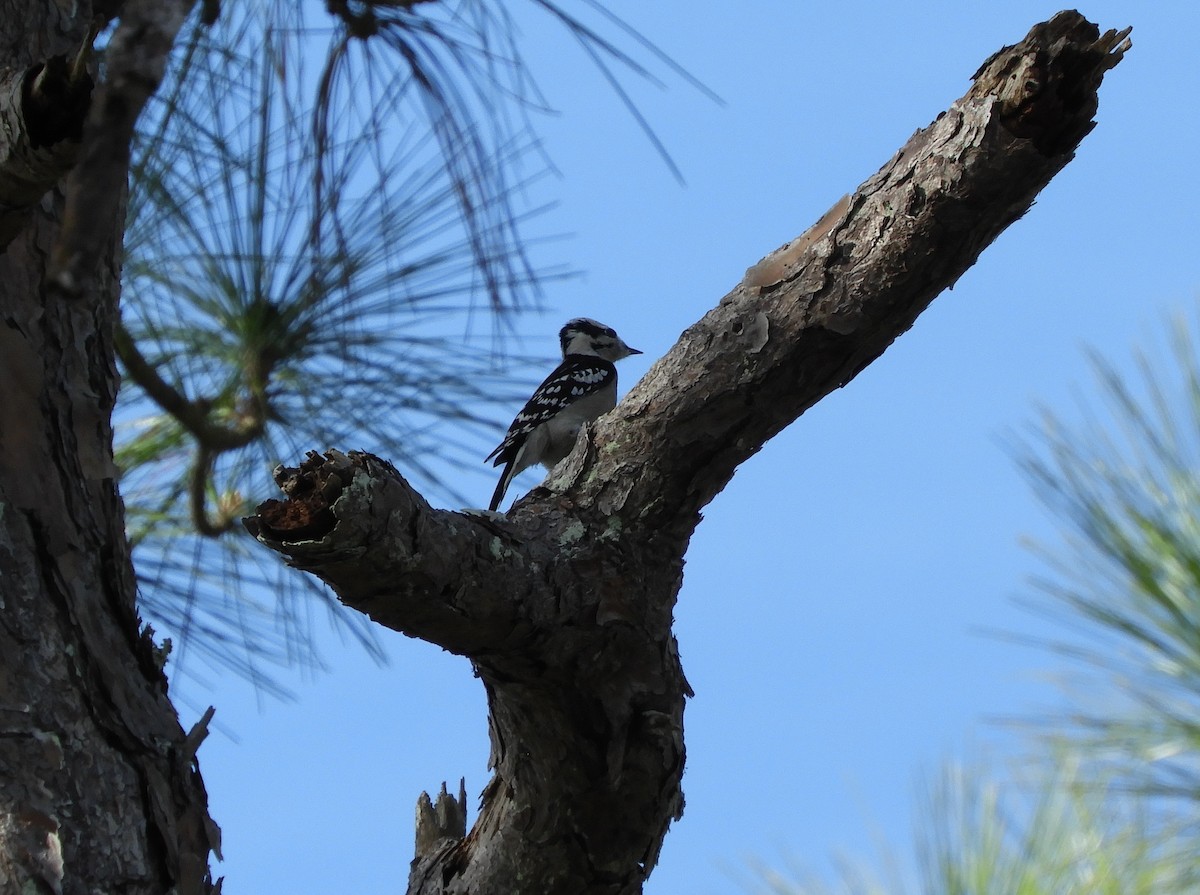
(581, 388)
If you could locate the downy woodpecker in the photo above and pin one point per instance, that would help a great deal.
(580, 389)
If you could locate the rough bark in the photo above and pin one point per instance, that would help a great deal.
(99, 791)
(42, 107)
(564, 607)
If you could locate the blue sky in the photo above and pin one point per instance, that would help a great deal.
(839, 597)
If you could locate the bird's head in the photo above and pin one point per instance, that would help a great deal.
(586, 336)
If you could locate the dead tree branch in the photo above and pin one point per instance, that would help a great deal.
(564, 608)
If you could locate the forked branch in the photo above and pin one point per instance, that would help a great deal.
(565, 606)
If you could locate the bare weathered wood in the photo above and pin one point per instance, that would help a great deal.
(440, 824)
(564, 607)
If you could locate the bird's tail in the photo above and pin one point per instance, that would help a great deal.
(501, 486)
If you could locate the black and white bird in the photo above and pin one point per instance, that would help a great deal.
(581, 388)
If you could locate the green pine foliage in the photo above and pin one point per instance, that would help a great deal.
(328, 234)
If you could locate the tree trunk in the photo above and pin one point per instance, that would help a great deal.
(99, 791)
(564, 607)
